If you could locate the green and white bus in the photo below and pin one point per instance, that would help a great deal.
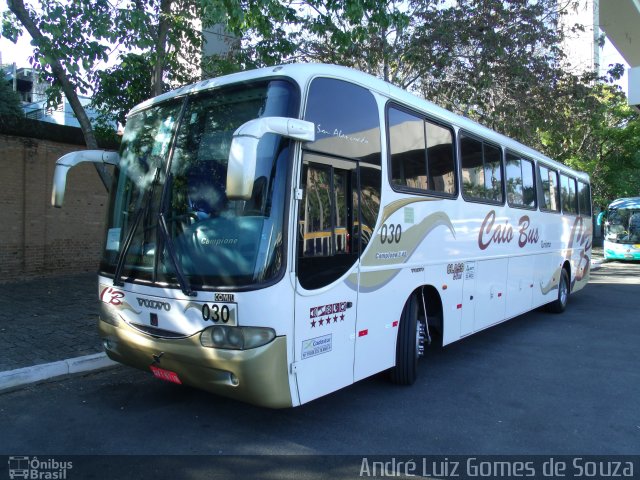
(278, 234)
(622, 229)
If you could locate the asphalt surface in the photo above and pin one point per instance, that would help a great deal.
(538, 384)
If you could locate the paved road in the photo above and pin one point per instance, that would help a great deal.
(538, 384)
(32, 312)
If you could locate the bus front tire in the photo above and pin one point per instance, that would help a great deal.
(405, 370)
(560, 304)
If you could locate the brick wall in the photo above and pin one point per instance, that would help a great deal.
(35, 238)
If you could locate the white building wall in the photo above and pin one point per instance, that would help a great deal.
(581, 45)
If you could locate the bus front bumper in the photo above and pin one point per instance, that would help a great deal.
(626, 253)
(258, 375)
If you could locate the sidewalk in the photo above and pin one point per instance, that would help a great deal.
(48, 328)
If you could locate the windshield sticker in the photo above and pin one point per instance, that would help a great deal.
(113, 239)
(316, 346)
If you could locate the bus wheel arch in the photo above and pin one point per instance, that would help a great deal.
(433, 305)
(564, 289)
(413, 332)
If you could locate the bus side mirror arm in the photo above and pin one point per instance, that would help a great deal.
(72, 159)
(243, 154)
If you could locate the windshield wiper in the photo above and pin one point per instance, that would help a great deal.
(117, 281)
(142, 211)
(185, 286)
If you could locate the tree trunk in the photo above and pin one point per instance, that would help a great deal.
(18, 9)
(161, 47)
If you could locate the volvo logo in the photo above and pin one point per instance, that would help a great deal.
(153, 304)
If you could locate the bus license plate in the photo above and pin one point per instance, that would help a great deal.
(166, 375)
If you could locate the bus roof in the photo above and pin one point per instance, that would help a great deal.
(303, 73)
(629, 203)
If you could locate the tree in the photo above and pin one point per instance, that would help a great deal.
(120, 88)
(373, 36)
(9, 100)
(61, 48)
(495, 61)
(70, 39)
(262, 33)
(599, 134)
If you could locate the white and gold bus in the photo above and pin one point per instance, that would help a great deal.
(278, 234)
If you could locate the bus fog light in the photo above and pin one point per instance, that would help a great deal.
(236, 338)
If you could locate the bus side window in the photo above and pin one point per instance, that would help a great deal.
(315, 212)
(440, 159)
(369, 204)
(549, 194)
(408, 150)
(481, 171)
(584, 200)
(337, 214)
(520, 184)
(421, 154)
(326, 224)
(568, 194)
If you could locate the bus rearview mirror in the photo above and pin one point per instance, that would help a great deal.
(243, 154)
(72, 159)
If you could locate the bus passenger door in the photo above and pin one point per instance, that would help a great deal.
(326, 293)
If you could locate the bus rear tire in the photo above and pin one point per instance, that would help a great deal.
(560, 304)
(407, 346)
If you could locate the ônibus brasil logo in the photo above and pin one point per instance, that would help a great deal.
(38, 469)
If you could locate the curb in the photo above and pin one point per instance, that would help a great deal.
(45, 371)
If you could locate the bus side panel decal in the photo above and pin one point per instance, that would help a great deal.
(411, 239)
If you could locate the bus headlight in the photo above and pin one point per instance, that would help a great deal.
(236, 338)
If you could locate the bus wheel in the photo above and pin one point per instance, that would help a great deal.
(559, 305)
(410, 345)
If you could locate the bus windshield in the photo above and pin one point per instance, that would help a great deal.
(623, 225)
(169, 215)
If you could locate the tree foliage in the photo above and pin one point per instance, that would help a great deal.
(73, 39)
(601, 136)
(498, 62)
(9, 100)
(121, 87)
